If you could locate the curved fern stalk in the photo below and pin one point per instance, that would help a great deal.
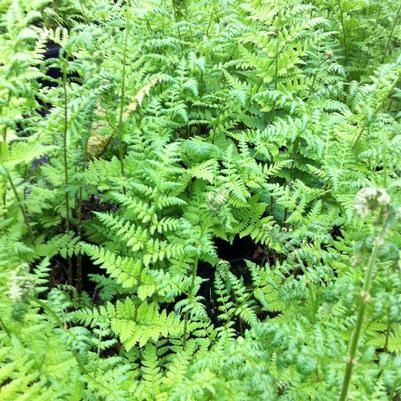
(390, 37)
(364, 300)
(186, 319)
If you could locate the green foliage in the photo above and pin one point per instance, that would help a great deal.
(156, 136)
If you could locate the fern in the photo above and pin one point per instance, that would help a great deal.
(191, 198)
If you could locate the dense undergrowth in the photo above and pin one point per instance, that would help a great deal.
(200, 200)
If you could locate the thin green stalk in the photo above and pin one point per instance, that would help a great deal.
(376, 111)
(284, 47)
(294, 153)
(5, 328)
(13, 187)
(4, 197)
(139, 284)
(148, 25)
(217, 120)
(5, 190)
(100, 338)
(340, 6)
(177, 17)
(78, 211)
(175, 10)
(66, 174)
(178, 14)
(186, 319)
(210, 20)
(215, 126)
(74, 353)
(364, 300)
(4, 134)
(388, 331)
(122, 101)
(78, 208)
(390, 37)
(84, 16)
(385, 166)
(315, 75)
(276, 69)
(313, 81)
(285, 214)
(20, 204)
(65, 151)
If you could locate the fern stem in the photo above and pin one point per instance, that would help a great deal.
(210, 19)
(20, 204)
(177, 17)
(84, 16)
(390, 37)
(78, 208)
(186, 319)
(315, 75)
(216, 123)
(74, 353)
(148, 25)
(375, 112)
(5, 194)
(388, 331)
(5, 328)
(270, 64)
(385, 166)
(364, 299)
(98, 344)
(4, 197)
(178, 6)
(66, 175)
(276, 70)
(65, 151)
(340, 6)
(122, 101)
(4, 134)
(139, 284)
